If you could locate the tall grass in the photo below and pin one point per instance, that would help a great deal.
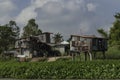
(113, 53)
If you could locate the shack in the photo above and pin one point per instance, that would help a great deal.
(62, 47)
(88, 44)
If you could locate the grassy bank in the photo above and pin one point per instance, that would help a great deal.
(61, 70)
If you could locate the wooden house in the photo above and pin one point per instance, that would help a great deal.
(88, 44)
(32, 46)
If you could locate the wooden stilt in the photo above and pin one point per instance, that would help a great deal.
(85, 56)
(90, 55)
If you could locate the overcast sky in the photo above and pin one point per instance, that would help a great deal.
(64, 16)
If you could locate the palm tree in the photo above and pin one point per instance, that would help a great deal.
(103, 33)
(58, 38)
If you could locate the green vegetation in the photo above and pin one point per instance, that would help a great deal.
(115, 31)
(113, 52)
(61, 70)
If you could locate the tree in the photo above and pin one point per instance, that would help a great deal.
(115, 31)
(4, 37)
(103, 33)
(15, 32)
(58, 38)
(31, 29)
(8, 35)
(7, 38)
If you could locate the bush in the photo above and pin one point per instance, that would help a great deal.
(61, 70)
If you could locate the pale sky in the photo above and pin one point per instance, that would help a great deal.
(64, 16)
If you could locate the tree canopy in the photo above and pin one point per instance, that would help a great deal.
(115, 31)
(31, 29)
(8, 35)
